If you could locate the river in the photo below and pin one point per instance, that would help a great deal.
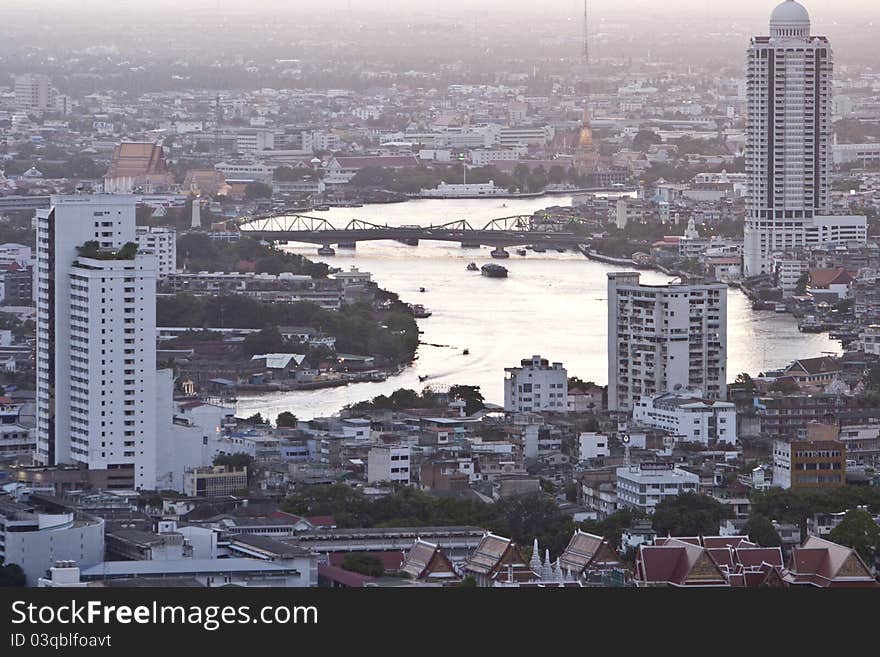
(552, 304)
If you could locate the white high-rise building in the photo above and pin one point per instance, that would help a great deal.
(96, 340)
(32, 93)
(789, 153)
(535, 386)
(162, 242)
(663, 338)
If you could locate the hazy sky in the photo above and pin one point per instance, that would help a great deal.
(704, 7)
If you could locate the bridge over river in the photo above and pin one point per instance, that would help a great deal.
(519, 230)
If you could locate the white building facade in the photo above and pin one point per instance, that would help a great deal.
(592, 445)
(663, 336)
(96, 344)
(32, 93)
(35, 540)
(688, 418)
(389, 463)
(536, 386)
(162, 242)
(644, 486)
(789, 154)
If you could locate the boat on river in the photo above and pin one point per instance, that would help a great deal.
(419, 311)
(494, 271)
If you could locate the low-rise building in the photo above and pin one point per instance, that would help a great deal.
(162, 241)
(34, 538)
(536, 386)
(821, 563)
(588, 556)
(427, 562)
(498, 559)
(214, 481)
(592, 445)
(811, 463)
(709, 561)
(389, 463)
(688, 417)
(645, 485)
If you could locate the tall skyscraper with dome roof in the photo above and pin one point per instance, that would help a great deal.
(788, 157)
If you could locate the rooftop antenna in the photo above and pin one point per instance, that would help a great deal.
(218, 119)
(586, 37)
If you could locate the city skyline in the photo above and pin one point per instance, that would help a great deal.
(436, 295)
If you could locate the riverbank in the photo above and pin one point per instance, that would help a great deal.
(528, 195)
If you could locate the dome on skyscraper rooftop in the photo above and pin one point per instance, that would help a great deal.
(790, 12)
(790, 18)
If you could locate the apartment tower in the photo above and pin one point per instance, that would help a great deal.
(665, 338)
(96, 340)
(789, 158)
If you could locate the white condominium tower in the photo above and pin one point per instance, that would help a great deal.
(789, 155)
(663, 338)
(96, 340)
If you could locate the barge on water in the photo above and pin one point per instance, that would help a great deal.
(494, 271)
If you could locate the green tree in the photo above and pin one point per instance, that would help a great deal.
(363, 563)
(644, 139)
(858, 531)
(469, 582)
(373, 177)
(266, 341)
(255, 190)
(237, 460)
(760, 530)
(612, 526)
(11, 575)
(745, 381)
(688, 514)
(470, 395)
(286, 419)
(784, 386)
(536, 515)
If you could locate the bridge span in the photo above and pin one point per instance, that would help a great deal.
(519, 230)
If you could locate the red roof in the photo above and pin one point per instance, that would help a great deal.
(750, 557)
(327, 522)
(724, 541)
(344, 577)
(284, 515)
(739, 562)
(824, 277)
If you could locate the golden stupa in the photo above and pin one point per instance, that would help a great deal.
(586, 158)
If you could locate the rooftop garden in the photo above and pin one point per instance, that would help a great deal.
(92, 249)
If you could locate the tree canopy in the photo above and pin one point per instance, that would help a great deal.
(286, 419)
(11, 575)
(760, 530)
(198, 252)
(358, 328)
(522, 517)
(688, 514)
(363, 563)
(858, 531)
